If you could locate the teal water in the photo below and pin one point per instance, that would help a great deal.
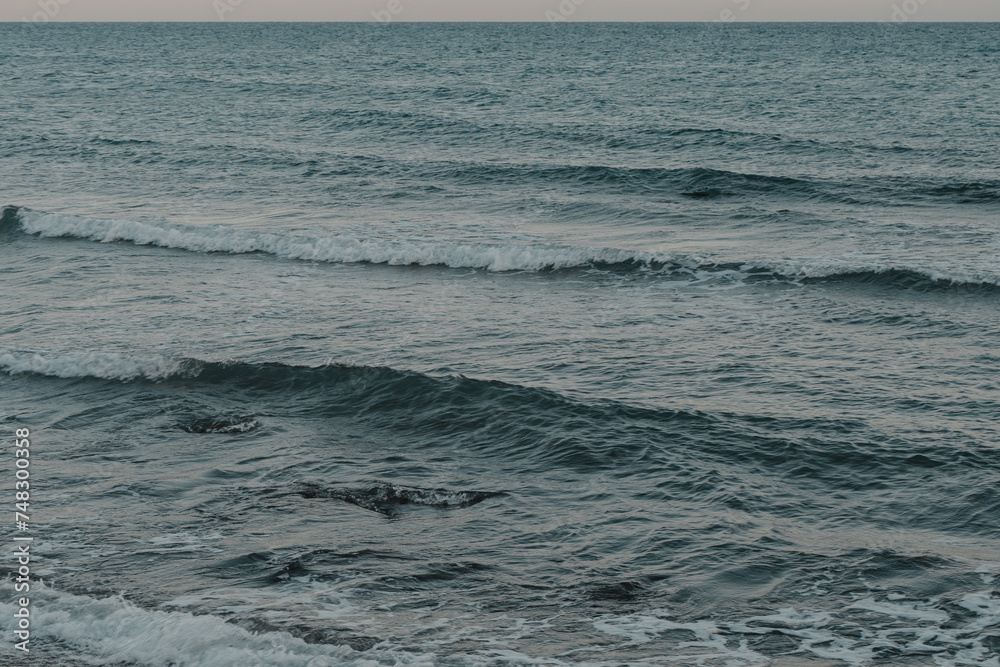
(505, 344)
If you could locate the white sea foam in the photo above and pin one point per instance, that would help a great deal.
(917, 611)
(104, 365)
(113, 630)
(988, 572)
(109, 630)
(914, 628)
(711, 643)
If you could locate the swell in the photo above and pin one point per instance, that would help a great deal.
(669, 182)
(498, 419)
(658, 139)
(697, 182)
(613, 176)
(685, 181)
(491, 257)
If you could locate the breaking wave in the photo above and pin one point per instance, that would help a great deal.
(489, 257)
(115, 631)
(100, 365)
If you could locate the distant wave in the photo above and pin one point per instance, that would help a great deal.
(684, 181)
(700, 182)
(120, 141)
(486, 256)
(415, 123)
(707, 182)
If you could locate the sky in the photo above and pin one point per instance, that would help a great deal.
(500, 10)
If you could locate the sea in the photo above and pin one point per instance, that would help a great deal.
(501, 344)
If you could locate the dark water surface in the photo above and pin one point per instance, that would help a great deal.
(504, 344)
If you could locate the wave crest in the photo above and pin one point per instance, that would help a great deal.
(333, 249)
(489, 257)
(113, 630)
(101, 365)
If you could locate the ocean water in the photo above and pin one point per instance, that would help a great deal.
(503, 344)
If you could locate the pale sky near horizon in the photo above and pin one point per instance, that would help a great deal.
(495, 10)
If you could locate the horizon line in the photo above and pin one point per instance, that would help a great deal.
(524, 22)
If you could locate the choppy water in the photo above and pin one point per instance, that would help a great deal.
(505, 344)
